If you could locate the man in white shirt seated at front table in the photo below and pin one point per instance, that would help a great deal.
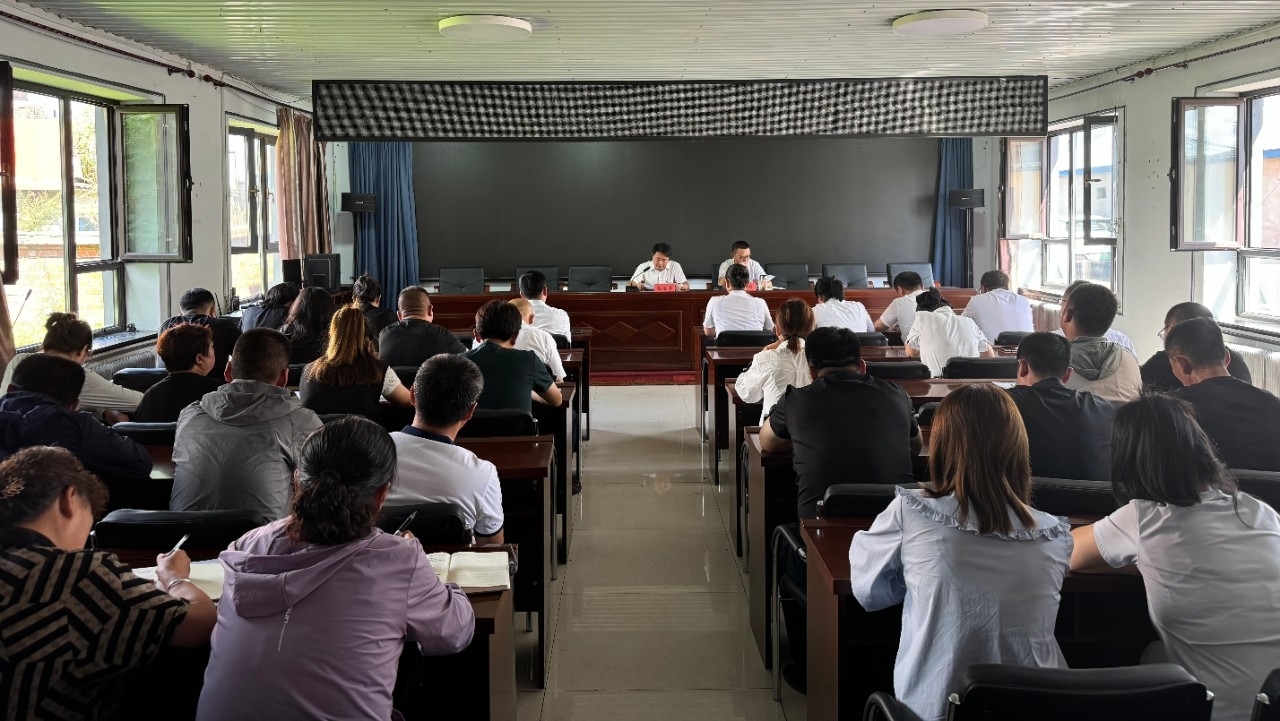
(659, 270)
(738, 310)
(429, 467)
(742, 256)
(997, 309)
(902, 310)
(533, 288)
(539, 341)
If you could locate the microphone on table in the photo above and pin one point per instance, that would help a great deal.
(647, 267)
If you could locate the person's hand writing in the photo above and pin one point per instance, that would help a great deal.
(111, 418)
(406, 534)
(170, 566)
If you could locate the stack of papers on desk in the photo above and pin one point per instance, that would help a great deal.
(473, 572)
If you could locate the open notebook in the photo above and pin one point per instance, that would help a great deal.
(473, 572)
(206, 575)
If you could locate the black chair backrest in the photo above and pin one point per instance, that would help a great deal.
(561, 341)
(789, 276)
(156, 531)
(295, 374)
(744, 339)
(1155, 691)
(461, 280)
(995, 368)
(406, 374)
(924, 416)
(466, 339)
(898, 370)
(550, 272)
(489, 423)
(436, 523)
(851, 275)
(1265, 485)
(1011, 337)
(858, 500)
(872, 338)
(138, 379)
(924, 269)
(148, 434)
(1266, 707)
(327, 418)
(1068, 497)
(590, 278)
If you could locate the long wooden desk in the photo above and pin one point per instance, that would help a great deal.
(558, 423)
(770, 501)
(1102, 621)
(647, 331)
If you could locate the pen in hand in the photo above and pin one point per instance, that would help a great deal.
(178, 545)
(405, 526)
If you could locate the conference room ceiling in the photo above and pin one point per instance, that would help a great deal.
(285, 44)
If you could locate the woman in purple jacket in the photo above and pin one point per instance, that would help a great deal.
(316, 606)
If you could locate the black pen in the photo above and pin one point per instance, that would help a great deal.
(404, 526)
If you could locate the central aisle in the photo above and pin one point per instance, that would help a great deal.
(649, 619)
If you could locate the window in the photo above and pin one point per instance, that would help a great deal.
(1060, 211)
(1226, 190)
(90, 188)
(251, 232)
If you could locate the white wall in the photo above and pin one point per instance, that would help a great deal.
(209, 105)
(1154, 278)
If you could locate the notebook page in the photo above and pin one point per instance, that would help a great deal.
(440, 563)
(480, 572)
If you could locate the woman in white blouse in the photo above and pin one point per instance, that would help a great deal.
(938, 334)
(979, 571)
(1209, 556)
(781, 363)
(833, 310)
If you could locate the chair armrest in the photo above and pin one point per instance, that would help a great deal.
(882, 706)
(789, 536)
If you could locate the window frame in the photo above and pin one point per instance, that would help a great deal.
(1177, 235)
(264, 238)
(1247, 248)
(182, 138)
(8, 178)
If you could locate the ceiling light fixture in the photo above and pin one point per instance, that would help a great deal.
(940, 23)
(485, 27)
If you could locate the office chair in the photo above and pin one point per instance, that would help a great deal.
(138, 379)
(590, 278)
(561, 341)
(550, 272)
(872, 338)
(743, 339)
(851, 275)
(137, 536)
(974, 368)
(406, 374)
(1011, 337)
(148, 434)
(898, 370)
(993, 691)
(461, 280)
(924, 415)
(489, 423)
(789, 276)
(295, 374)
(1265, 706)
(1068, 497)
(924, 269)
(1264, 485)
(437, 523)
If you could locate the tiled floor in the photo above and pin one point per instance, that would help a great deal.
(649, 619)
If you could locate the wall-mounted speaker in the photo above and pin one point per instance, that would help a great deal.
(358, 203)
(967, 198)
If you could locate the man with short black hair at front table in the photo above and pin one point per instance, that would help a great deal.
(660, 269)
(533, 288)
(1098, 365)
(739, 310)
(512, 378)
(1157, 373)
(901, 311)
(997, 309)
(1241, 420)
(742, 256)
(429, 467)
(200, 307)
(1069, 431)
(416, 336)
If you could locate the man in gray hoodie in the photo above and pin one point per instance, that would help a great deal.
(1098, 365)
(237, 448)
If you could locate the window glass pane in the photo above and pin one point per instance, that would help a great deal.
(1057, 263)
(274, 275)
(1102, 185)
(96, 298)
(238, 187)
(152, 182)
(1262, 285)
(1077, 185)
(1092, 262)
(1024, 263)
(89, 152)
(246, 274)
(1024, 187)
(42, 286)
(269, 195)
(1265, 191)
(1209, 174)
(1060, 186)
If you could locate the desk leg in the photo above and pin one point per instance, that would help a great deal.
(701, 400)
(823, 633)
(739, 497)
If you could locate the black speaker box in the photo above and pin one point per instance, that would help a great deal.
(358, 203)
(966, 198)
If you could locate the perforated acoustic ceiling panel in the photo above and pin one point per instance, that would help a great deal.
(359, 110)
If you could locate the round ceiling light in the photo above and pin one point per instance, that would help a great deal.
(940, 23)
(485, 27)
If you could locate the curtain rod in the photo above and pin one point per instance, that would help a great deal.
(172, 69)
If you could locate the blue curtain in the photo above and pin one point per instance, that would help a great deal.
(386, 239)
(955, 172)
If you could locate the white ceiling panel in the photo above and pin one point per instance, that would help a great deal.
(285, 44)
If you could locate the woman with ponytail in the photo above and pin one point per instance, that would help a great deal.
(781, 363)
(316, 606)
(938, 334)
(66, 336)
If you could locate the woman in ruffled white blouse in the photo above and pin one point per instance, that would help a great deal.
(782, 363)
(979, 571)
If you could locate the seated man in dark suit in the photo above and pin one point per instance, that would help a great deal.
(415, 337)
(187, 352)
(199, 307)
(1157, 374)
(1069, 431)
(367, 293)
(41, 411)
(512, 378)
(1240, 420)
